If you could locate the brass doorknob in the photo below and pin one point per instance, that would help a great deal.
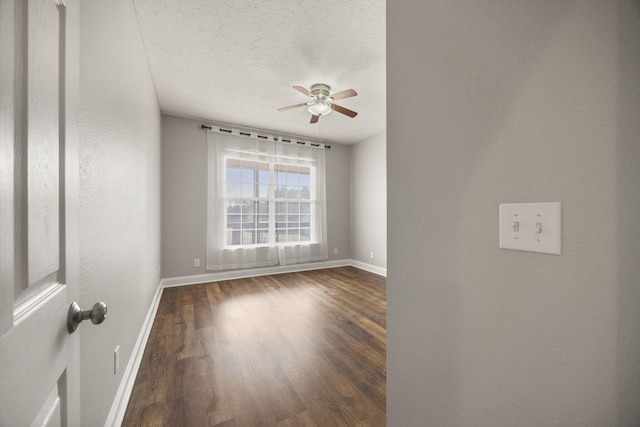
(97, 314)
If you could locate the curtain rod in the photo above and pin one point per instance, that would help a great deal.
(258, 135)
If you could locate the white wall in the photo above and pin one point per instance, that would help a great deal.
(513, 101)
(368, 177)
(184, 201)
(119, 194)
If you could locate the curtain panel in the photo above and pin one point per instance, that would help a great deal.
(237, 196)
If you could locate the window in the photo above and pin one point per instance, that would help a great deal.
(247, 196)
(266, 203)
(293, 204)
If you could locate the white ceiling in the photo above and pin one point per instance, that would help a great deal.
(234, 61)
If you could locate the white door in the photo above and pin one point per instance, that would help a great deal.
(39, 365)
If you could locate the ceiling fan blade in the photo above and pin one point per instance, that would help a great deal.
(344, 111)
(303, 91)
(344, 94)
(314, 119)
(291, 107)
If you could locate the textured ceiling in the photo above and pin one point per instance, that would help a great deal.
(234, 61)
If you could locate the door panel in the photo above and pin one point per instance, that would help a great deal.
(50, 414)
(43, 81)
(37, 256)
(37, 360)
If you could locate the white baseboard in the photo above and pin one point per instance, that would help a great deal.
(119, 406)
(380, 271)
(251, 272)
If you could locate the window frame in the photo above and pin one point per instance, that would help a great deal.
(272, 200)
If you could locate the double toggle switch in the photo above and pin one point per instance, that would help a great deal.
(516, 226)
(533, 227)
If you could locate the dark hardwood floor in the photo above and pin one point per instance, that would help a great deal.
(295, 349)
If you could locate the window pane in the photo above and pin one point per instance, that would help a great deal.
(263, 207)
(233, 219)
(248, 190)
(293, 207)
(292, 179)
(263, 221)
(247, 175)
(281, 236)
(305, 193)
(305, 234)
(305, 208)
(304, 180)
(233, 237)
(263, 177)
(293, 192)
(248, 237)
(263, 236)
(263, 191)
(293, 221)
(233, 206)
(293, 235)
(234, 174)
(248, 207)
(281, 207)
(234, 189)
(281, 178)
(280, 192)
(248, 221)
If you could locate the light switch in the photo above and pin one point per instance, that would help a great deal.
(532, 227)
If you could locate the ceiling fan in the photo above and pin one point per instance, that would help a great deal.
(321, 102)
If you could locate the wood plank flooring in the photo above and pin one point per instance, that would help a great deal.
(295, 349)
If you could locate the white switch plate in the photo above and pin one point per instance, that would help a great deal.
(518, 224)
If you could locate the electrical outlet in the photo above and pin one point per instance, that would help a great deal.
(196, 262)
(335, 251)
(371, 254)
(116, 360)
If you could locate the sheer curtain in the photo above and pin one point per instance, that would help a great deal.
(221, 254)
(316, 249)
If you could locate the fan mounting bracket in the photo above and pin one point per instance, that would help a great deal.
(321, 90)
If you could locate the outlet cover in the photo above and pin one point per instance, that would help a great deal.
(116, 360)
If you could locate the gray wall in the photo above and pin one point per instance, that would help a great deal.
(184, 197)
(368, 177)
(513, 101)
(119, 206)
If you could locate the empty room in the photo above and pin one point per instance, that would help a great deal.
(341, 213)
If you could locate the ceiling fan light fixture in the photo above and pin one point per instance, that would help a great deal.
(319, 109)
(321, 102)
